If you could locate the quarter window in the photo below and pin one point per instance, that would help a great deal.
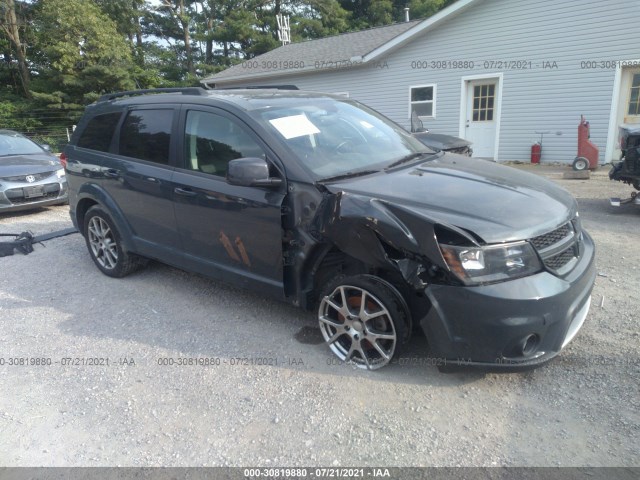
(211, 141)
(99, 131)
(146, 134)
(423, 101)
(634, 95)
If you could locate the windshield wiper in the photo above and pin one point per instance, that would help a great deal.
(408, 158)
(357, 173)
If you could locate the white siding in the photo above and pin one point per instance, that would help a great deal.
(566, 32)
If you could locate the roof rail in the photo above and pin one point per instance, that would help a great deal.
(131, 93)
(262, 87)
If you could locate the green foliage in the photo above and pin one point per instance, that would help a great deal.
(77, 50)
(14, 113)
(74, 34)
(426, 8)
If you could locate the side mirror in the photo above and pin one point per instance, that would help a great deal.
(46, 147)
(250, 172)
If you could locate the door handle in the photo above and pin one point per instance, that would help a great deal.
(112, 173)
(185, 192)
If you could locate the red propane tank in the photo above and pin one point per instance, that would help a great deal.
(536, 153)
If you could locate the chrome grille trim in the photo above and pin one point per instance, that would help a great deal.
(23, 178)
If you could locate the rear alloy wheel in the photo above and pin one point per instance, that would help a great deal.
(580, 164)
(362, 321)
(105, 246)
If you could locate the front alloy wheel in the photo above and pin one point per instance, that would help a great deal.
(361, 326)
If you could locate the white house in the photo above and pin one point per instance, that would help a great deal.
(492, 71)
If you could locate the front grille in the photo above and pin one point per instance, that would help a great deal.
(22, 201)
(543, 241)
(560, 248)
(558, 261)
(17, 197)
(23, 178)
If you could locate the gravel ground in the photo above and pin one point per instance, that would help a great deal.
(580, 410)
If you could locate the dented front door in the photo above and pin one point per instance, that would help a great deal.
(230, 232)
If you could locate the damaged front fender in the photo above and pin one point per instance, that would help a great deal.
(383, 235)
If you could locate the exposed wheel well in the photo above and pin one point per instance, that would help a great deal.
(81, 209)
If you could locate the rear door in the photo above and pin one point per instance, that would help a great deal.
(138, 178)
(230, 232)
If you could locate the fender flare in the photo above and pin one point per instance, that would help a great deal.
(96, 193)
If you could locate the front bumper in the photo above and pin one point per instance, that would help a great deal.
(12, 198)
(521, 323)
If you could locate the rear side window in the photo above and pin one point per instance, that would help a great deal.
(146, 134)
(99, 131)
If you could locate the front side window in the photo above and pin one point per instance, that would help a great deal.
(423, 103)
(99, 131)
(146, 135)
(211, 141)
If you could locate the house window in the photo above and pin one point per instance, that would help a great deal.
(483, 102)
(634, 95)
(423, 101)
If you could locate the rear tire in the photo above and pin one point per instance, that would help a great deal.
(363, 321)
(105, 245)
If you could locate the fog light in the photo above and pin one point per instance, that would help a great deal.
(530, 344)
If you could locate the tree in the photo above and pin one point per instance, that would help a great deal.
(423, 8)
(11, 24)
(180, 12)
(80, 54)
(368, 13)
(127, 14)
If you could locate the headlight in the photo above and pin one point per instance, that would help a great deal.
(60, 173)
(476, 265)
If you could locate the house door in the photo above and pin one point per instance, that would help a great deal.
(481, 116)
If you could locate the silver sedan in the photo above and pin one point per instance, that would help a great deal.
(30, 176)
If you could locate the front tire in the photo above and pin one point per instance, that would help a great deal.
(363, 321)
(105, 245)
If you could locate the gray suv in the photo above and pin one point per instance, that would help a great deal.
(322, 202)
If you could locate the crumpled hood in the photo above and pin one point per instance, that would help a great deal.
(16, 165)
(441, 141)
(495, 202)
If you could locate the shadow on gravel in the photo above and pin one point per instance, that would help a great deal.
(216, 321)
(601, 206)
(21, 213)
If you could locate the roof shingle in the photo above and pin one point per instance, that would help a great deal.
(338, 50)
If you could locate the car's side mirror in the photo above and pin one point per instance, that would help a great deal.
(46, 147)
(251, 172)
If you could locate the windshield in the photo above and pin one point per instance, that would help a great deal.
(15, 144)
(334, 138)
